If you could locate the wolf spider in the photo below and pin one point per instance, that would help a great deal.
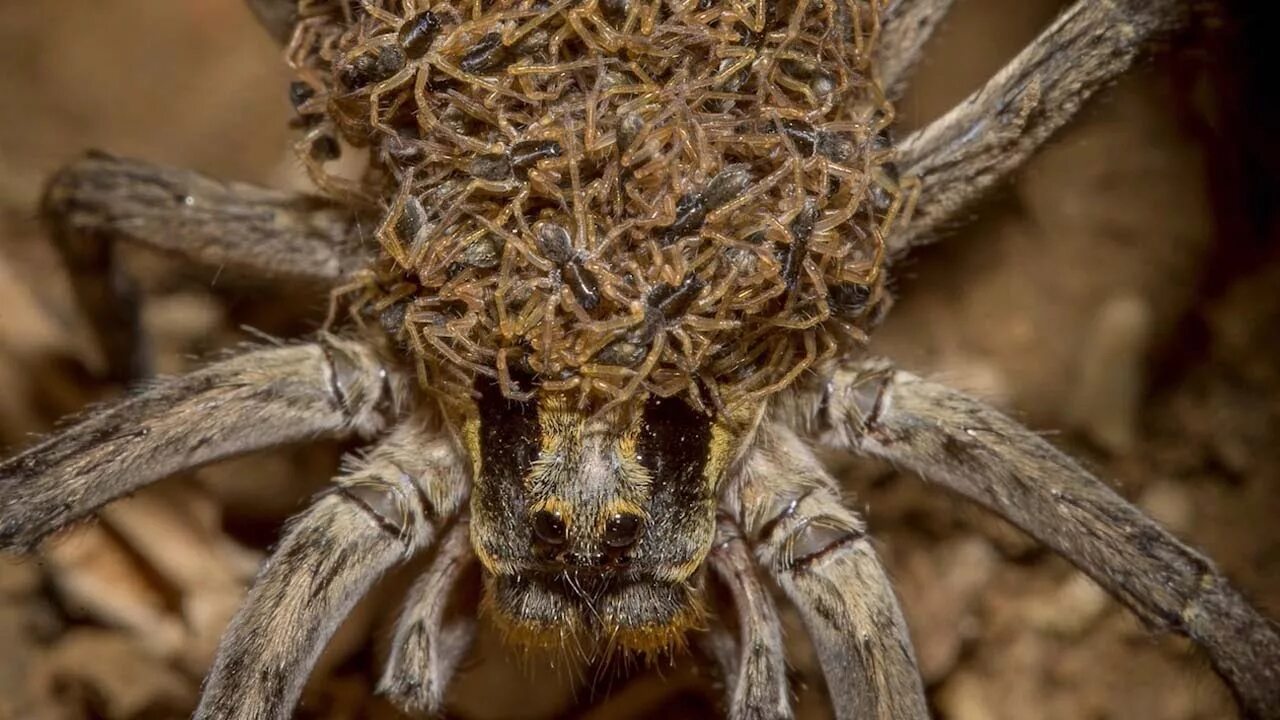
(544, 494)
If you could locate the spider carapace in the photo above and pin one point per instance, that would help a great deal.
(600, 294)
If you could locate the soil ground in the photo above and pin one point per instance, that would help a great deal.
(1120, 294)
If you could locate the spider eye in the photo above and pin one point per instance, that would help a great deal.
(549, 527)
(623, 530)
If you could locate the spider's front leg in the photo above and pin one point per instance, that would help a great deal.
(99, 200)
(255, 400)
(390, 504)
(789, 509)
(976, 451)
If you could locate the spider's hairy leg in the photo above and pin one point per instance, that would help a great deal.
(754, 664)
(907, 26)
(983, 139)
(428, 645)
(943, 435)
(277, 16)
(254, 400)
(98, 200)
(387, 506)
(789, 509)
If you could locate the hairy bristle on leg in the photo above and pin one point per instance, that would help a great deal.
(991, 133)
(907, 26)
(385, 508)
(428, 647)
(758, 686)
(98, 201)
(978, 452)
(251, 401)
(818, 551)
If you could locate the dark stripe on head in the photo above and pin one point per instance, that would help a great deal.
(509, 443)
(673, 445)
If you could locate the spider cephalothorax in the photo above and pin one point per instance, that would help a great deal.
(625, 256)
(593, 528)
(612, 196)
(620, 202)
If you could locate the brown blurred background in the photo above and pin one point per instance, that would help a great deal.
(1123, 293)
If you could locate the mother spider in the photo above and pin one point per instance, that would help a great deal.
(626, 257)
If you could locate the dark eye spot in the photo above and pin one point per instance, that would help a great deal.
(623, 530)
(549, 527)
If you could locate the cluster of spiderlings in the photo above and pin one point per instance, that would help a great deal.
(609, 195)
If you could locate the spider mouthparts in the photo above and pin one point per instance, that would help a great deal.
(593, 609)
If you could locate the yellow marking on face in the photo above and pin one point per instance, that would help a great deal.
(557, 421)
(556, 506)
(656, 638)
(720, 448)
(471, 440)
(619, 507)
(527, 635)
(637, 478)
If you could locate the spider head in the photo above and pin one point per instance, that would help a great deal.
(595, 526)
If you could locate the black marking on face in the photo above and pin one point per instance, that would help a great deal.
(673, 442)
(674, 445)
(509, 443)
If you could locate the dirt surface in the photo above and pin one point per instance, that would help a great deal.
(1121, 295)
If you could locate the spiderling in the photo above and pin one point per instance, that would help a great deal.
(665, 143)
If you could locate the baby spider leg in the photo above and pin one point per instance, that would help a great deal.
(754, 663)
(389, 505)
(817, 550)
(428, 645)
(992, 133)
(98, 200)
(907, 26)
(257, 399)
(966, 446)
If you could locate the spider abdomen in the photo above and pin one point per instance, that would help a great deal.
(670, 145)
